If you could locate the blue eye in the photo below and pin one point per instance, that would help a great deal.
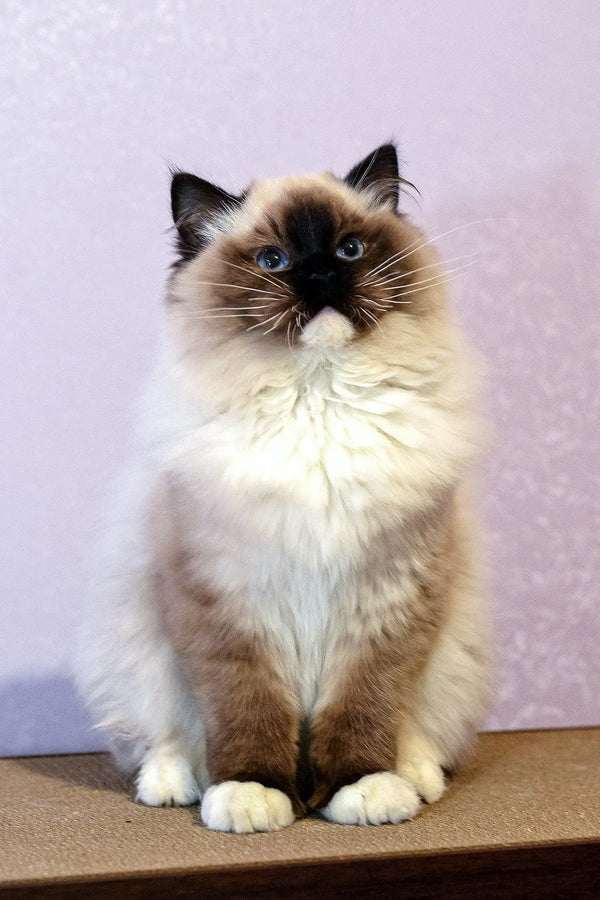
(272, 258)
(350, 248)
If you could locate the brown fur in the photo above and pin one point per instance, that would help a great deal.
(251, 719)
(311, 430)
(384, 233)
(356, 733)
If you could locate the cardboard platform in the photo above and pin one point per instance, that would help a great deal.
(521, 820)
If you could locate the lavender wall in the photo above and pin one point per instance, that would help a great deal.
(495, 107)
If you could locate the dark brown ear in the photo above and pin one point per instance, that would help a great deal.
(197, 205)
(378, 174)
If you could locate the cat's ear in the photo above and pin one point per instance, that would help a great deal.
(198, 208)
(378, 175)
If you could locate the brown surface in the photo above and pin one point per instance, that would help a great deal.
(71, 818)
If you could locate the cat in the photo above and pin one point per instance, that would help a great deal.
(288, 611)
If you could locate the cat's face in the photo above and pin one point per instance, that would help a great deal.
(294, 256)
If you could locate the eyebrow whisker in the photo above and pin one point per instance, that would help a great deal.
(408, 251)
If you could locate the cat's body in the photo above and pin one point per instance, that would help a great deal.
(288, 600)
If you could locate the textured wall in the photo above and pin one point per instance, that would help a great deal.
(495, 108)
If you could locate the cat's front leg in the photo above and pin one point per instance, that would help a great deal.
(353, 751)
(250, 717)
(252, 726)
(250, 714)
(354, 732)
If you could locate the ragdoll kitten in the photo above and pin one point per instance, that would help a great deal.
(287, 612)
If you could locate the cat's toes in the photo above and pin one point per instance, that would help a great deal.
(373, 800)
(245, 806)
(427, 777)
(167, 781)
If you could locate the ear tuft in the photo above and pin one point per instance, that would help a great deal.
(197, 206)
(378, 175)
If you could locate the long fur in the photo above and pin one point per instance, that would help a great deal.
(302, 467)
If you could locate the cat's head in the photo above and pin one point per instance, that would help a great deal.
(293, 260)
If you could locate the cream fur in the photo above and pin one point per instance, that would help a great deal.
(379, 799)
(244, 807)
(293, 463)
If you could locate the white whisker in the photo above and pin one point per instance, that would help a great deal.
(231, 308)
(371, 302)
(225, 315)
(273, 280)
(408, 251)
(441, 274)
(239, 287)
(396, 257)
(373, 318)
(417, 290)
(263, 322)
(395, 302)
(389, 278)
(200, 316)
(277, 322)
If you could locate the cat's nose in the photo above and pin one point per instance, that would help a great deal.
(322, 283)
(324, 278)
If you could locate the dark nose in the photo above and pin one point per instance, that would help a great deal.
(325, 277)
(322, 282)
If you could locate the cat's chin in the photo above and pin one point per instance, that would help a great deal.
(328, 330)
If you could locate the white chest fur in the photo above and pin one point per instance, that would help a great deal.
(288, 493)
(294, 472)
(305, 464)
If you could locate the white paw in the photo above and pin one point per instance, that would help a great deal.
(245, 806)
(373, 800)
(166, 780)
(427, 777)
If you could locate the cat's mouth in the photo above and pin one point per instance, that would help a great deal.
(328, 329)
